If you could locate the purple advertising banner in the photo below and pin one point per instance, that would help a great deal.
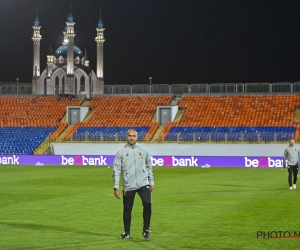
(167, 161)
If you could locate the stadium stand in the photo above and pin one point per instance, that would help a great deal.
(26, 121)
(113, 115)
(33, 111)
(235, 118)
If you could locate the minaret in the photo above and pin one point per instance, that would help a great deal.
(50, 61)
(70, 37)
(36, 46)
(85, 59)
(100, 41)
(65, 33)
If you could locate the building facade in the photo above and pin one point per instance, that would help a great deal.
(68, 71)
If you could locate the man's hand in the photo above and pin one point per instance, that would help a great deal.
(117, 193)
(151, 188)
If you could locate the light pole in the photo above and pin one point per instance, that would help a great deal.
(150, 80)
(17, 86)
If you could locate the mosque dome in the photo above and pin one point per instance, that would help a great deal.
(63, 51)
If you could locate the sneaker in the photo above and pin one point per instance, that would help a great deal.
(294, 186)
(291, 188)
(146, 234)
(124, 236)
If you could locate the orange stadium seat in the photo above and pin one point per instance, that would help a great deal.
(238, 111)
(113, 112)
(39, 115)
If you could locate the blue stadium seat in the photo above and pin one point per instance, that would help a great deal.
(231, 133)
(22, 140)
(107, 133)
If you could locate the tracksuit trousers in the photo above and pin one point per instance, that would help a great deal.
(128, 200)
(292, 170)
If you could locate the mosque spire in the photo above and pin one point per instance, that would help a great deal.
(70, 18)
(36, 20)
(100, 23)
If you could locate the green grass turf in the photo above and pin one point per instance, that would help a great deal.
(193, 208)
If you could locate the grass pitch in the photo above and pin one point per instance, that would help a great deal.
(193, 208)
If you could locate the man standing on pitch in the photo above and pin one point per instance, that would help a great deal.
(134, 162)
(290, 160)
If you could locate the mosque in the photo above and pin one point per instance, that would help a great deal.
(67, 71)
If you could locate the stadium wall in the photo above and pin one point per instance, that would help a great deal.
(193, 155)
(262, 150)
(204, 155)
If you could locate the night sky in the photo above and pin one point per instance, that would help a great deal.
(174, 41)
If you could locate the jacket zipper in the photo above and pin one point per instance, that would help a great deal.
(135, 168)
